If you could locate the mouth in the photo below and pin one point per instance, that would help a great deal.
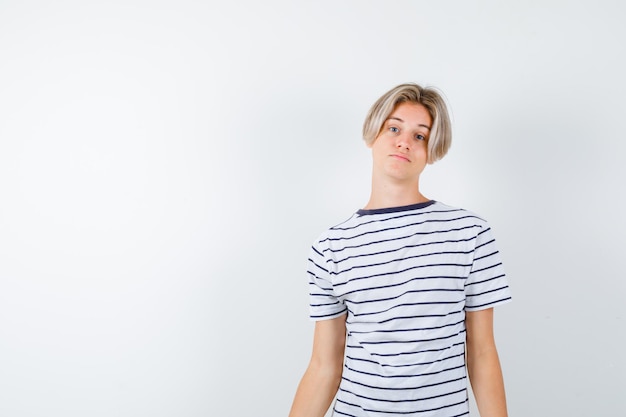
(401, 157)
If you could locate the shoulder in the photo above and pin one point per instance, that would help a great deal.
(460, 213)
(468, 224)
(335, 232)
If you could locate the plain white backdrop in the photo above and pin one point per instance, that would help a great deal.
(165, 166)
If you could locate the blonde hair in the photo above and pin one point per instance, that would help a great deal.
(440, 137)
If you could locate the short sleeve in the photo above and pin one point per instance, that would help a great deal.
(487, 284)
(324, 304)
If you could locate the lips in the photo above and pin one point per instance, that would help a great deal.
(399, 156)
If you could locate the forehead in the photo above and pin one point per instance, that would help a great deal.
(411, 113)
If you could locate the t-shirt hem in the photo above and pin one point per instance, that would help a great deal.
(328, 317)
(489, 305)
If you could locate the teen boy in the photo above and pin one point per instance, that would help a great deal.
(403, 292)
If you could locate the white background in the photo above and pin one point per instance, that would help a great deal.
(165, 166)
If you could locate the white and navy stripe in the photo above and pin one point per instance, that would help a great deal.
(405, 276)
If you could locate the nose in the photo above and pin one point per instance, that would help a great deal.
(403, 141)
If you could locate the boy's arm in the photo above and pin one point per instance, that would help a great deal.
(323, 375)
(483, 364)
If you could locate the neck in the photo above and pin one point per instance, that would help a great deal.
(394, 194)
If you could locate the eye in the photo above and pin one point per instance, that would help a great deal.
(420, 137)
(394, 129)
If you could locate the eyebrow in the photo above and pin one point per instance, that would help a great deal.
(402, 121)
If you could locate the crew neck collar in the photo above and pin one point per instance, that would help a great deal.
(365, 212)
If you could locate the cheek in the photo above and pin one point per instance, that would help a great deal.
(373, 144)
(422, 147)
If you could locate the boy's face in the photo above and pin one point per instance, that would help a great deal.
(400, 151)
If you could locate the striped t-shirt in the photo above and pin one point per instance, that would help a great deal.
(405, 276)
